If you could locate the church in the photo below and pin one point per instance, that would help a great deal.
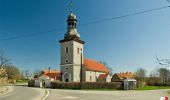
(74, 66)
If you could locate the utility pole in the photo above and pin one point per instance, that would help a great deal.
(81, 70)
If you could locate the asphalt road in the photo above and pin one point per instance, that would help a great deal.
(23, 93)
(105, 95)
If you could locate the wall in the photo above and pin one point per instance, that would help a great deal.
(94, 75)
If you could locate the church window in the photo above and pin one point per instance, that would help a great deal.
(78, 50)
(66, 50)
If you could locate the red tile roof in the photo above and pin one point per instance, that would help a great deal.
(51, 71)
(95, 66)
(126, 75)
(55, 74)
(101, 76)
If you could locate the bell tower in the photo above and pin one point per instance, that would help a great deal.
(71, 51)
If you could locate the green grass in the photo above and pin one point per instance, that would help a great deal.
(22, 81)
(154, 87)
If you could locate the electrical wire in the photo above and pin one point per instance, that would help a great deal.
(89, 23)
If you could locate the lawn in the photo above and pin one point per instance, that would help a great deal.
(154, 87)
(22, 81)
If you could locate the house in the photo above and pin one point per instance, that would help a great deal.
(104, 78)
(46, 77)
(129, 83)
(74, 66)
(53, 74)
(122, 76)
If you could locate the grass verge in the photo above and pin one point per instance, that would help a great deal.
(154, 88)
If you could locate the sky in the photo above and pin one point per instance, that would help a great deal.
(30, 31)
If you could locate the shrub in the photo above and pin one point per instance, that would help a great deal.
(87, 85)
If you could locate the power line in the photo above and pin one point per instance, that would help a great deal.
(81, 25)
(29, 35)
(123, 16)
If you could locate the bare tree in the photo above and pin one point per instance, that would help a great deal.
(164, 75)
(4, 61)
(108, 67)
(140, 74)
(37, 73)
(163, 62)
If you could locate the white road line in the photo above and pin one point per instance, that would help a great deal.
(70, 97)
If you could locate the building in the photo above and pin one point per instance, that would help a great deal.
(74, 67)
(53, 74)
(46, 77)
(122, 76)
(129, 83)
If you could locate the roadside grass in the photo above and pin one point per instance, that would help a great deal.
(22, 81)
(153, 88)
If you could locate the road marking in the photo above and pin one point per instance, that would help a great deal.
(70, 97)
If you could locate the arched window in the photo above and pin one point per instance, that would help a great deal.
(66, 50)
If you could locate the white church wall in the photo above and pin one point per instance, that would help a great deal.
(76, 54)
(76, 74)
(67, 56)
(91, 76)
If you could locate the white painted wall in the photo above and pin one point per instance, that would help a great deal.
(93, 76)
(73, 57)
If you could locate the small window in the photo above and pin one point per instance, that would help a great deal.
(66, 50)
(78, 50)
(66, 68)
(66, 61)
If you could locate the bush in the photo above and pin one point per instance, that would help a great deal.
(87, 85)
(31, 83)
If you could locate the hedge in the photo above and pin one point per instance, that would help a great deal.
(86, 85)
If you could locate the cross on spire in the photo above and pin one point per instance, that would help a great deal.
(71, 5)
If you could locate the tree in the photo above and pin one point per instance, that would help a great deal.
(13, 72)
(164, 75)
(4, 61)
(105, 64)
(163, 62)
(37, 73)
(140, 74)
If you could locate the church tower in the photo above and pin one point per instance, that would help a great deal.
(71, 52)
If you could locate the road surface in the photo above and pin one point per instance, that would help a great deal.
(23, 93)
(55, 94)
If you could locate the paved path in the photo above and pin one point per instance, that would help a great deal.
(105, 95)
(23, 93)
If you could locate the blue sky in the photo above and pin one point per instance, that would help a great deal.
(125, 44)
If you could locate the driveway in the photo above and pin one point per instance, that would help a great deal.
(105, 95)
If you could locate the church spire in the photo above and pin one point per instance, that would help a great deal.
(72, 24)
(72, 34)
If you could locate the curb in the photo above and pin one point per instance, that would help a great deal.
(46, 94)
